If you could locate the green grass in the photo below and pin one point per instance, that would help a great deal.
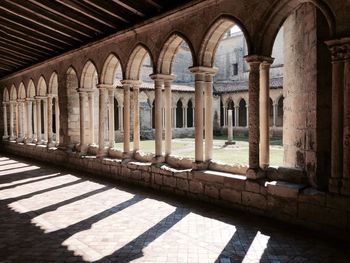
(229, 154)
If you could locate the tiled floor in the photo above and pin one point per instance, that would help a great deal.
(51, 215)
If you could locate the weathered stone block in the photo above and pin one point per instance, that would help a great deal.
(338, 202)
(211, 191)
(252, 186)
(231, 195)
(284, 189)
(255, 200)
(182, 184)
(169, 181)
(278, 205)
(196, 187)
(312, 196)
(136, 175)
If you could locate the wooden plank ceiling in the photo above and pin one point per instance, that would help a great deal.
(34, 30)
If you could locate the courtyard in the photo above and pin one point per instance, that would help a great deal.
(50, 214)
(229, 154)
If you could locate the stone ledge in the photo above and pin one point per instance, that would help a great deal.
(284, 189)
(234, 181)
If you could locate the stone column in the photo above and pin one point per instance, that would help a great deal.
(38, 120)
(185, 117)
(4, 107)
(24, 119)
(167, 105)
(12, 137)
(174, 117)
(57, 121)
(264, 148)
(17, 119)
(49, 121)
(91, 117)
(337, 120)
(253, 118)
(82, 108)
(209, 114)
(35, 115)
(45, 119)
(236, 115)
(346, 135)
(120, 112)
(225, 114)
(126, 117)
(29, 120)
(275, 110)
(111, 130)
(229, 127)
(102, 111)
(198, 117)
(136, 124)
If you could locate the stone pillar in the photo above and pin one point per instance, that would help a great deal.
(45, 119)
(236, 116)
(82, 105)
(264, 147)
(12, 137)
(337, 120)
(120, 112)
(346, 135)
(17, 120)
(275, 111)
(24, 119)
(225, 114)
(49, 121)
(167, 105)
(38, 120)
(126, 117)
(158, 82)
(229, 127)
(111, 133)
(174, 117)
(4, 107)
(35, 115)
(253, 118)
(29, 120)
(57, 122)
(209, 114)
(185, 117)
(102, 111)
(136, 124)
(91, 117)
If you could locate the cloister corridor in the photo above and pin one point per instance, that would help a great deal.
(49, 214)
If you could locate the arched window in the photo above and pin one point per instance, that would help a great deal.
(279, 118)
(116, 115)
(189, 114)
(242, 113)
(179, 114)
(221, 114)
(271, 112)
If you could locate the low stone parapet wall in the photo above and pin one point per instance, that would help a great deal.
(294, 203)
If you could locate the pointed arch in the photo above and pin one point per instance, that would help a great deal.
(13, 92)
(31, 89)
(89, 76)
(53, 83)
(109, 70)
(21, 91)
(72, 85)
(213, 36)
(135, 62)
(6, 95)
(42, 87)
(169, 50)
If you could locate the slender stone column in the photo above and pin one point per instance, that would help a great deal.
(17, 119)
(91, 117)
(136, 124)
(174, 117)
(29, 120)
(236, 115)
(4, 107)
(253, 118)
(185, 117)
(49, 121)
(82, 109)
(12, 137)
(45, 119)
(158, 83)
(264, 149)
(35, 115)
(38, 120)
(168, 128)
(126, 117)
(57, 121)
(229, 127)
(111, 130)
(346, 140)
(337, 119)
(275, 110)
(103, 93)
(225, 115)
(24, 120)
(120, 112)
(209, 115)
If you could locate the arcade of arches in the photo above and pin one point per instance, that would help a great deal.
(68, 109)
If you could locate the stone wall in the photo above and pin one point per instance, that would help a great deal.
(289, 202)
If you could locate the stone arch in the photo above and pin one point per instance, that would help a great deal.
(53, 84)
(21, 91)
(89, 75)
(189, 113)
(271, 112)
(72, 85)
(135, 62)
(242, 113)
(13, 93)
(109, 70)
(31, 89)
(6, 95)
(278, 13)
(213, 36)
(169, 50)
(42, 87)
(280, 113)
(179, 113)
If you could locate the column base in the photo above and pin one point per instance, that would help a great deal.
(5, 137)
(51, 144)
(255, 173)
(20, 140)
(82, 148)
(158, 159)
(345, 189)
(334, 185)
(198, 165)
(102, 152)
(127, 155)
